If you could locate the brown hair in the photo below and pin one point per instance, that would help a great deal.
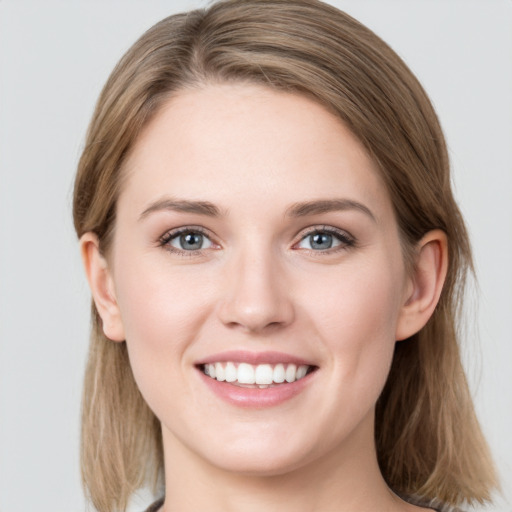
(428, 439)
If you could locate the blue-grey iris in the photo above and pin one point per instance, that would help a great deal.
(191, 241)
(320, 241)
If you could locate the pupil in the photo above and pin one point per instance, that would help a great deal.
(190, 241)
(321, 241)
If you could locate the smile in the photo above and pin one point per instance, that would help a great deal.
(260, 375)
(256, 380)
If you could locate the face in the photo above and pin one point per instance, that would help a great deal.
(257, 270)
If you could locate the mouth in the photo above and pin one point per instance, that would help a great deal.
(256, 380)
(257, 376)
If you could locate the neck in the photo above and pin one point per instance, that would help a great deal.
(345, 479)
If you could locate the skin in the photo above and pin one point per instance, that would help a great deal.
(258, 285)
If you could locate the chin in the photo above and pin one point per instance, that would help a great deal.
(260, 465)
(271, 455)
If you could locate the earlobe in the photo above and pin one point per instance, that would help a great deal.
(102, 287)
(426, 284)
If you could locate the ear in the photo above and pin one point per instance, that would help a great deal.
(425, 285)
(102, 287)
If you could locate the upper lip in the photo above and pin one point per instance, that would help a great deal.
(255, 358)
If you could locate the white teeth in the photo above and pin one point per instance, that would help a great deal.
(301, 371)
(231, 373)
(279, 374)
(220, 374)
(291, 373)
(262, 375)
(245, 374)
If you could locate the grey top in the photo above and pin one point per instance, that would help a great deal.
(155, 506)
(435, 504)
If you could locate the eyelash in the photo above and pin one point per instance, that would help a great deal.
(346, 240)
(166, 239)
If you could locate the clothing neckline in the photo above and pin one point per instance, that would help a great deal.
(433, 504)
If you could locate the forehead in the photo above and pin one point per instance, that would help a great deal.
(222, 140)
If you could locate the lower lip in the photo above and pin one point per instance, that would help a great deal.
(256, 397)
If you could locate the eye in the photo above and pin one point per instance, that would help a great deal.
(190, 241)
(187, 239)
(325, 239)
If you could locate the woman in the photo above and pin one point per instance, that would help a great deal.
(276, 261)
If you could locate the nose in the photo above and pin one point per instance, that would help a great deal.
(257, 297)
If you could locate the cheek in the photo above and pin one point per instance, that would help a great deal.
(157, 300)
(356, 319)
(162, 313)
(360, 299)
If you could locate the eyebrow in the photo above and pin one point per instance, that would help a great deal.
(180, 205)
(328, 205)
(302, 209)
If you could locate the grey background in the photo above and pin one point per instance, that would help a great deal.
(55, 57)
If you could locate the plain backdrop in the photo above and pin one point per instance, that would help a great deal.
(55, 57)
